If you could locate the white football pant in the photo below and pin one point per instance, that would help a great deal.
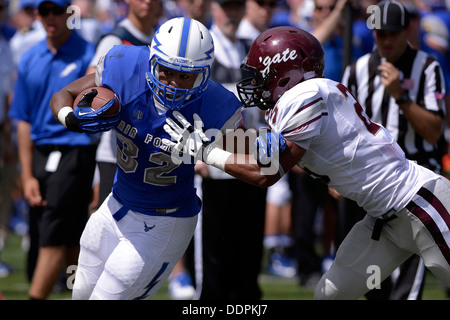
(130, 258)
(421, 228)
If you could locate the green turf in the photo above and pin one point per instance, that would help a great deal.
(15, 286)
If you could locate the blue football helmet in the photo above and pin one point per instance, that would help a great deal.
(185, 45)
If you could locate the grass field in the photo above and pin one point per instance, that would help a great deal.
(15, 286)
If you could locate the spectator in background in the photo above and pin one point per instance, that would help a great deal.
(258, 14)
(414, 32)
(8, 168)
(57, 165)
(29, 32)
(104, 11)
(327, 26)
(295, 13)
(199, 10)
(29, 29)
(305, 15)
(435, 40)
(363, 41)
(91, 29)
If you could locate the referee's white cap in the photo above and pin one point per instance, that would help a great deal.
(394, 16)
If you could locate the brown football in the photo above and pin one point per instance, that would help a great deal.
(102, 97)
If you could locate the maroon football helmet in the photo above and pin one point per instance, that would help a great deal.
(279, 59)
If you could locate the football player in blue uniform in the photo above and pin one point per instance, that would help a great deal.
(142, 229)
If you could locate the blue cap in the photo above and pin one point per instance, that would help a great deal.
(59, 3)
(27, 3)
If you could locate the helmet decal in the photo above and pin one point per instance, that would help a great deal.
(285, 56)
(184, 38)
(209, 53)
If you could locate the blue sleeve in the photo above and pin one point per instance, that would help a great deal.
(20, 103)
(124, 71)
(219, 105)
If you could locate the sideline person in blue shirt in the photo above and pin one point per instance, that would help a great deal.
(57, 165)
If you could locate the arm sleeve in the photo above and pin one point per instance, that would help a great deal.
(300, 119)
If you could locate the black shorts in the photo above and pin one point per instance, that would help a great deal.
(68, 192)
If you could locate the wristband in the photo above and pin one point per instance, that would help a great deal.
(62, 114)
(215, 156)
(403, 98)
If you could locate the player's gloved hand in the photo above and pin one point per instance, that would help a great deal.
(189, 139)
(85, 119)
(268, 145)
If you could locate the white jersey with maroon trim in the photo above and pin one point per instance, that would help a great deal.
(345, 149)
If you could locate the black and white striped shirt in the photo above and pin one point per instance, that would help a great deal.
(422, 76)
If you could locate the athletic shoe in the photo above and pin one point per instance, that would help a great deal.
(180, 287)
(327, 261)
(281, 266)
(5, 270)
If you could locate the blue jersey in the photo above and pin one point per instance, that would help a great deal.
(42, 73)
(147, 180)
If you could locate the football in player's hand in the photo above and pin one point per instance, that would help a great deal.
(99, 100)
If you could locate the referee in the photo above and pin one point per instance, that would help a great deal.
(402, 88)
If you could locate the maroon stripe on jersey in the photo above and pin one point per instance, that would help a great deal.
(436, 203)
(310, 121)
(308, 105)
(305, 124)
(432, 227)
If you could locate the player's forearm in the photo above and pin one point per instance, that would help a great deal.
(25, 149)
(245, 168)
(66, 96)
(427, 124)
(60, 100)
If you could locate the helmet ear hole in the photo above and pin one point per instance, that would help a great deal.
(283, 82)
